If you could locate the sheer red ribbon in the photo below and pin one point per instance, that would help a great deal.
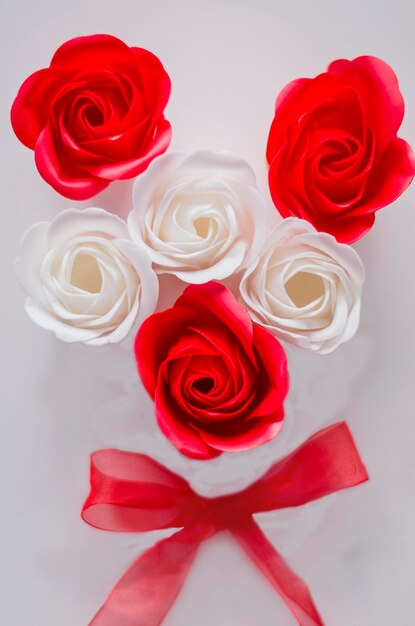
(133, 493)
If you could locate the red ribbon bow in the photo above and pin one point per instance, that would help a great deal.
(133, 493)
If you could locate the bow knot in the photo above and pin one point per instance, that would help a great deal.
(133, 493)
(225, 512)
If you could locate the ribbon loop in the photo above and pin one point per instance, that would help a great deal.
(327, 462)
(133, 493)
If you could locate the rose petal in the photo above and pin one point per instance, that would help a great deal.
(377, 84)
(173, 425)
(255, 435)
(154, 339)
(33, 248)
(134, 166)
(95, 52)
(215, 299)
(395, 174)
(73, 222)
(156, 81)
(274, 362)
(72, 184)
(30, 110)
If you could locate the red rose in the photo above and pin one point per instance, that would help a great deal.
(333, 152)
(218, 381)
(95, 115)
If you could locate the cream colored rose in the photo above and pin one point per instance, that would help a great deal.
(85, 280)
(305, 287)
(199, 217)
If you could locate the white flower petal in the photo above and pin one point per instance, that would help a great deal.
(73, 222)
(225, 163)
(65, 332)
(33, 247)
(149, 285)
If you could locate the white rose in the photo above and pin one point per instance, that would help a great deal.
(305, 287)
(85, 279)
(200, 217)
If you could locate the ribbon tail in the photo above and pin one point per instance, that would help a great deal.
(276, 570)
(147, 590)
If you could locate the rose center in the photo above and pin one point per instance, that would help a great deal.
(201, 225)
(94, 115)
(86, 274)
(304, 288)
(204, 385)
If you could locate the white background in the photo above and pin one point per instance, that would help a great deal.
(227, 60)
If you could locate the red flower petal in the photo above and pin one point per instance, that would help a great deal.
(348, 230)
(154, 339)
(74, 184)
(30, 110)
(175, 426)
(136, 165)
(275, 369)
(156, 81)
(395, 173)
(288, 107)
(94, 52)
(215, 299)
(378, 87)
(257, 433)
